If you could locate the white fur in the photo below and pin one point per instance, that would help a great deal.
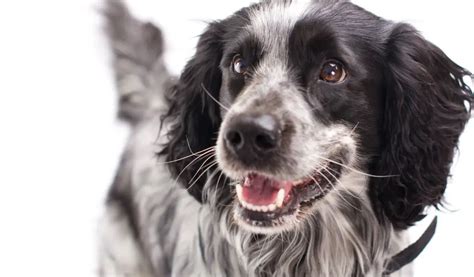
(119, 252)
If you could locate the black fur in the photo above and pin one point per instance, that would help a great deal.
(197, 117)
(196, 114)
(427, 105)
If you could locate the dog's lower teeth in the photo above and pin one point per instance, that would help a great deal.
(248, 206)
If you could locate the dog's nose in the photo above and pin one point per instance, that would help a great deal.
(253, 136)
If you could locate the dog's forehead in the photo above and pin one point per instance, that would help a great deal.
(273, 21)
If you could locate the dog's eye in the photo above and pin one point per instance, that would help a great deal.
(239, 65)
(333, 72)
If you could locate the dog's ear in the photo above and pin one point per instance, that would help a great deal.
(427, 105)
(194, 114)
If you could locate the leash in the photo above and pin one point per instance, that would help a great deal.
(410, 253)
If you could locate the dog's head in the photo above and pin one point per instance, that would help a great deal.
(297, 98)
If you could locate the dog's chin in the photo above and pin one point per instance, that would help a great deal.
(266, 205)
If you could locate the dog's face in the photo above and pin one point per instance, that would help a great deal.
(302, 94)
(292, 99)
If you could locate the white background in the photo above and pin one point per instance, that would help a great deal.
(60, 142)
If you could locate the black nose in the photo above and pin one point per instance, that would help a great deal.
(252, 137)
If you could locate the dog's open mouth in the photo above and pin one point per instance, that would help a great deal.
(267, 203)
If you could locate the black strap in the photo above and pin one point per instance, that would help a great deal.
(410, 253)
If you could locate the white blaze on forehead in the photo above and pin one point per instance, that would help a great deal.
(273, 22)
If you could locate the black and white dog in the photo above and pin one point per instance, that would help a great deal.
(302, 139)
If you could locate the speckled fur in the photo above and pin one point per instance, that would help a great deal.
(153, 226)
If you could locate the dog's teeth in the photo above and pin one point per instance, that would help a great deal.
(264, 209)
(238, 190)
(280, 198)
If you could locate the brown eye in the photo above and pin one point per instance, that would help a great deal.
(333, 72)
(239, 65)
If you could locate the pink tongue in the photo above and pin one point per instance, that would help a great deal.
(260, 191)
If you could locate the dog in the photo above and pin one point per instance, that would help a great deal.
(303, 138)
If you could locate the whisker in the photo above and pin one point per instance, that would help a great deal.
(219, 178)
(212, 97)
(200, 167)
(336, 190)
(353, 129)
(189, 145)
(331, 184)
(200, 175)
(356, 170)
(341, 184)
(189, 164)
(188, 156)
(203, 172)
(316, 182)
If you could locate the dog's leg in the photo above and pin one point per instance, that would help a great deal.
(120, 254)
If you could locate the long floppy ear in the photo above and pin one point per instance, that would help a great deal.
(427, 105)
(194, 114)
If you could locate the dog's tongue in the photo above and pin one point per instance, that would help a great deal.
(261, 191)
